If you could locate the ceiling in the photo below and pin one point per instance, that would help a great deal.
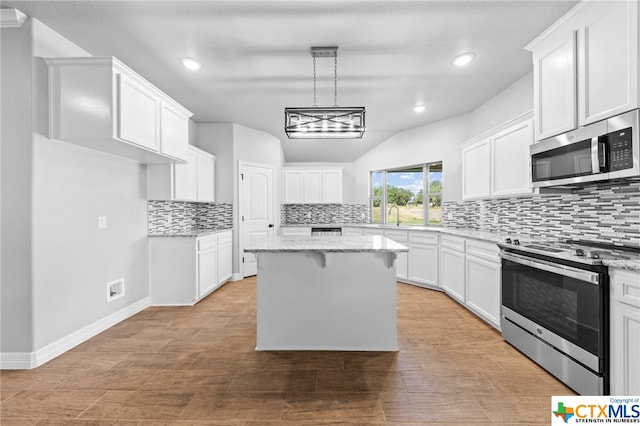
(256, 56)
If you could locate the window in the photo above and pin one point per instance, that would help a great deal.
(410, 195)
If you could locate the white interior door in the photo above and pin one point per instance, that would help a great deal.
(256, 211)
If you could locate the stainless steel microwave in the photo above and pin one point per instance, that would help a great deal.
(607, 149)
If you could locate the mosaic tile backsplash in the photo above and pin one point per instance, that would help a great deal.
(312, 214)
(177, 216)
(608, 212)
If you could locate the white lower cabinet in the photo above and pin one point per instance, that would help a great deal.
(482, 280)
(207, 264)
(625, 332)
(470, 273)
(182, 270)
(225, 256)
(402, 261)
(293, 231)
(452, 266)
(351, 232)
(423, 258)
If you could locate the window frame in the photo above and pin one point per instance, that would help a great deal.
(426, 183)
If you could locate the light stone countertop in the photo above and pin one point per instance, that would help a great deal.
(328, 245)
(493, 237)
(193, 233)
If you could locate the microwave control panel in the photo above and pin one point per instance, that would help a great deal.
(620, 150)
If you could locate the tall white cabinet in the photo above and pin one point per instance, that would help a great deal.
(585, 66)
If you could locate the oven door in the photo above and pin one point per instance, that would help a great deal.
(559, 304)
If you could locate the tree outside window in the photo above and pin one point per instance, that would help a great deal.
(406, 188)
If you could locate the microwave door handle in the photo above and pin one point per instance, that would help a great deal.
(595, 155)
(603, 154)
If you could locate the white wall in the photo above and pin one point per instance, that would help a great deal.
(441, 140)
(217, 139)
(348, 177)
(70, 261)
(232, 143)
(514, 100)
(16, 167)
(426, 144)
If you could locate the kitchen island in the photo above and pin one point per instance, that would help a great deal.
(327, 293)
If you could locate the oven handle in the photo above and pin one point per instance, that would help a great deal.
(567, 271)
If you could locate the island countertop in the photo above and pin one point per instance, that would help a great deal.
(328, 245)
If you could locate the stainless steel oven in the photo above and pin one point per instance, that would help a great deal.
(556, 312)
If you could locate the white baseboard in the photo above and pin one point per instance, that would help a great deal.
(236, 277)
(28, 360)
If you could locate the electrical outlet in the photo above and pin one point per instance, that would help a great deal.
(450, 216)
(115, 289)
(496, 218)
(102, 222)
(169, 219)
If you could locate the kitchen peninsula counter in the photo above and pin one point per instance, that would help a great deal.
(327, 293)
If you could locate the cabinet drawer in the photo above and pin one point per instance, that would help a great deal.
(207, 242)
(482, 249)
(397, 236)
(224, 238)
(295, 231)
(372, 232)
(455, 243)
(626, 287)
(423, 237)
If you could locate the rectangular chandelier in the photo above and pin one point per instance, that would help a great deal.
(324, 123)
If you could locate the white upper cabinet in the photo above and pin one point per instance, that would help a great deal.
(102, 104)
(607, 60)
(554, 85)
(510, 163)
(585, 67)
(312, 186)
(476, 172)
(174, 131)
(332, 186)
(191, 181)
(498, 165)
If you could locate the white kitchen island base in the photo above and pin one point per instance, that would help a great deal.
(337, 301)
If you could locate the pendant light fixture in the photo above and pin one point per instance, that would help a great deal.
(324, 123)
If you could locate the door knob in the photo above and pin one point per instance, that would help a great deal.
(271, 225)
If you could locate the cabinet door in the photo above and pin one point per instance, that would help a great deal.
(483, 288)
(607, 60)
(452, 273)
(332, 186)
(626, 350)
(625, 332)
(312, 186)
(174, 131)
(186, 178)
(352, 232)
(293, 186)
(138, 113)
(510, 160)
(554, 84)
(207, 270)
(476, 167)
(225, 254)
(423, 263)
(205, 178)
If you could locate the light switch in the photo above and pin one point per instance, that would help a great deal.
(102, 222)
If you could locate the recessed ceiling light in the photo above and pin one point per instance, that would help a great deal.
(419, 108)
(462, 60)
(191, 64)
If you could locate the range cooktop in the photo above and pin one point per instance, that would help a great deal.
(583, 251)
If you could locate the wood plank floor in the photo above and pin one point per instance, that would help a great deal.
(197, 366)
